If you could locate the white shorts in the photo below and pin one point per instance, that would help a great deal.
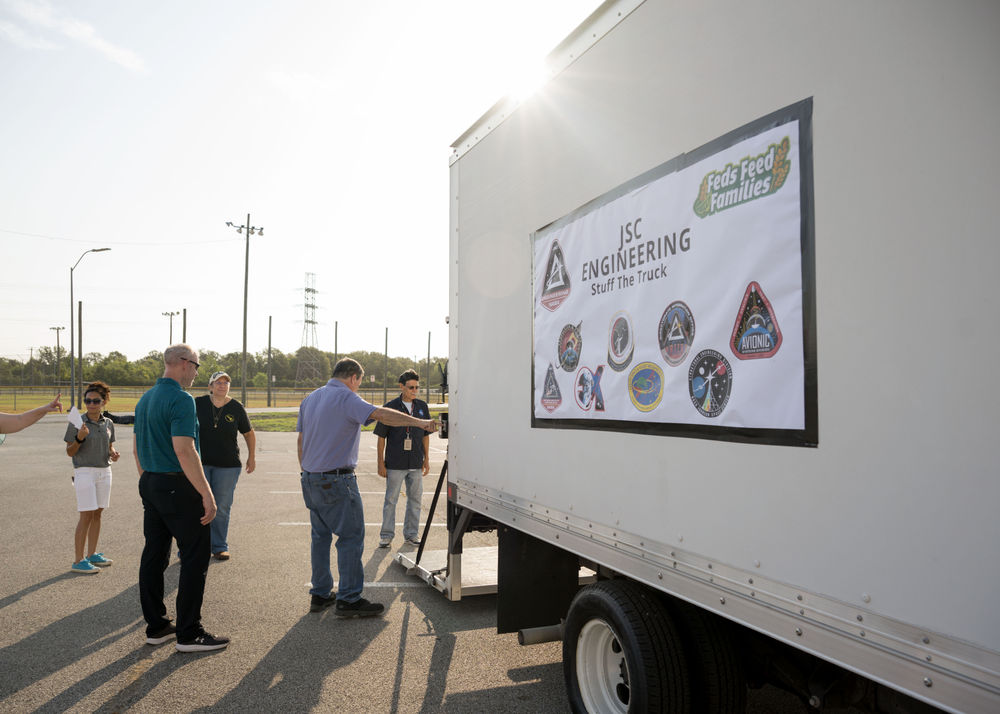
(93, 488)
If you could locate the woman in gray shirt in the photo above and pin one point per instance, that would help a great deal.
(92, 449)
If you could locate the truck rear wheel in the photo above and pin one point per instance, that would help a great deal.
(622, 653)
(718, 684)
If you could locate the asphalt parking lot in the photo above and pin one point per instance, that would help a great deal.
(72, 643)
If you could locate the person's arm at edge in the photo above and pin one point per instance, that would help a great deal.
(427, 454)
(191, 465)
(251, 438)
(380, 450)
(113, 453)
(390, 417)
(298, 447)
(13, 423)
(135, 452)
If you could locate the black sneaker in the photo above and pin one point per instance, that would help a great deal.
(169, 632)
(358, 608)
(203, 643)
(320, 603)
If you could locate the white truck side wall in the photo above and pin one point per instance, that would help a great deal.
(895, 511)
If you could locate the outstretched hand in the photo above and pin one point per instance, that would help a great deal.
(55, 405)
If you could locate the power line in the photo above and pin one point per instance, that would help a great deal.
(88, 240)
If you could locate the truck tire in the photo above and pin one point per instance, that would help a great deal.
(718, 684)
(622, 653)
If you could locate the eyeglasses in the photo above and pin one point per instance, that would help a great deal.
(92, 401)
(196, 365)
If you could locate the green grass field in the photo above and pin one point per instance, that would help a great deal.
(16, 401)
(264, 421)
(274, 421)
(285, 421)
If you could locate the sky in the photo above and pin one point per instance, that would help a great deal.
(145, 127)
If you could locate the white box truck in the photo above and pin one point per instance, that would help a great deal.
(721, 331)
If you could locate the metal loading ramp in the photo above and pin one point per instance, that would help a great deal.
(472, 572)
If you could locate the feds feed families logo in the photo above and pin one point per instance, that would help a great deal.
(751, 178)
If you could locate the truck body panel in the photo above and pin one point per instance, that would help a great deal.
(877, 548)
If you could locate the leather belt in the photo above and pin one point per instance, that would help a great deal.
(337, 472)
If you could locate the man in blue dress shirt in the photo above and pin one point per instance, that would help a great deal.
(329, 426)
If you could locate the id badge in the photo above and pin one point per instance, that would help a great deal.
(407, 444)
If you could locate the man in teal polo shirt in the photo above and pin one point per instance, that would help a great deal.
(177, 504)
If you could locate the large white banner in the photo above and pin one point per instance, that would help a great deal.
(679, 301)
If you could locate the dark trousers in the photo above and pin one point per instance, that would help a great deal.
(173, 510)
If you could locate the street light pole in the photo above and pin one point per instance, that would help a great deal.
(246, 285)
(56, 377)
(72, 362)
(171, 316)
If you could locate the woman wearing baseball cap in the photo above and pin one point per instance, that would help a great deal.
(220, 417)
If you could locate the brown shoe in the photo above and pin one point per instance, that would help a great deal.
(223, 555)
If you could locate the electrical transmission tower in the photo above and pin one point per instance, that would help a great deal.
(308, 373)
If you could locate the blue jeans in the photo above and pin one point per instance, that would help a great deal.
(222, 481)
(414, 491)
(335, 508)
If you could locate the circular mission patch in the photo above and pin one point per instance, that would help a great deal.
(645, 386)
(710, 381)
(621, 341)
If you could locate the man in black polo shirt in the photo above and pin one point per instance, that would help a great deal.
(403, 456)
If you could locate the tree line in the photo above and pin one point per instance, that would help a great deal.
(47, 368)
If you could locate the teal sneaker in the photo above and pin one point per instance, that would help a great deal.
(99, 560)
(84, 568)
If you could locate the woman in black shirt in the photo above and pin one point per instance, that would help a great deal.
(220, 417)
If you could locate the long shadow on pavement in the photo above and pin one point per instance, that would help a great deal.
(291, 677)
(11, 599)
(536, 684)
(70, 639)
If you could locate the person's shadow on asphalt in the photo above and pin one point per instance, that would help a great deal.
(291, 676)
(70, 639)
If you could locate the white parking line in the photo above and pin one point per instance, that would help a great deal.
(372, 525)
(414, 584)
(363, 493)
